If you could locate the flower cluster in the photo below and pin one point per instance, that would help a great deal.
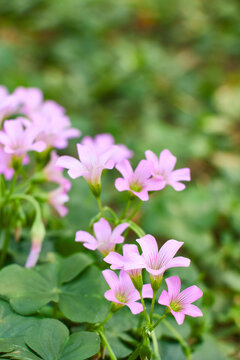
(28, 124)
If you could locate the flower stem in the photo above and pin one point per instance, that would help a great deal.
(135, 210)
(159, 320)
(106, 343)
(183, 343)
(155, 346)
(100, 205)
(5, 247)
(152, 305)
(126, 209)
(107, 318)
(144, 307)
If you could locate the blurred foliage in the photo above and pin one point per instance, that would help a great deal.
(155, 74)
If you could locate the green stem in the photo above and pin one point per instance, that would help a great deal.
(152, 305)
(135, 210)
(100, 205)
(126, 209)
(55, 310)
(183, 343)
(134, 227)
(30, 199)
(160, 318)
(5, 247)
(155, 346)
(107, 318)
(106, 343)
(14, 180)
(144, 307)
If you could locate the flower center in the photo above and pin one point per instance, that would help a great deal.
(136, 187)
(121, 298)
(175, 306)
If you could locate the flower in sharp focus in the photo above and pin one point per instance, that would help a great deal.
(162, 169)
(122, 291)
(180, 303)
(105, 239)
(104, 142)
(157, 261)
(90, 164)
(138, 182)
(54, 173)
(18, 140)
(57, 198)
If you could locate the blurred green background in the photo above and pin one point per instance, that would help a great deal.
(156, 74)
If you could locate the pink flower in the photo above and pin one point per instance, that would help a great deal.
(27, 99)
(90, 166)
(155, 261)
(54, 173)
(8, 104)
(123, 292)
(6, 164)
(138, 182)
(162, 169)
(180, 303)
(53, 125)
(130, 257)
(105, 239)
(57, 198)
(17, 140)
(37, 236)
(105, 142)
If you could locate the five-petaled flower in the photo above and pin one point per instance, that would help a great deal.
(162, 169)
(138, 182)
(122, 291)
(180, 303)
(105, 239)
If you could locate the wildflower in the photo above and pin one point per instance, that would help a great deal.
(130, 256)
(90, 165)
(57, 198)
(7, 103)
(122, 291)
(105, 239)
(137, 182)
(18, 140)
(162, 169)
(157, 261)
(27, 100)
(53, 125)
(180, 303)
(54, 173)
(105, 142)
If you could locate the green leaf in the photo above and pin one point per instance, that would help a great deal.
(72, 266)
(82, 300)
(48, 338)
(26, 290)
(81, 346)
(210, 349)
(171, 350)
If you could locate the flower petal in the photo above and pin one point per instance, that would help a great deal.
(164, 298)
(147, 291)
(117, 232)
(121, 184)
(89, 241)
(179, 316)
(190, 295)
(174, 287)
(135, 307)
(168, 250)
(102, 230)
(167, 161)
(111, 278)
(149, 248)
(178, 261)
(143, 171)
(193, 310)
(124, 167)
